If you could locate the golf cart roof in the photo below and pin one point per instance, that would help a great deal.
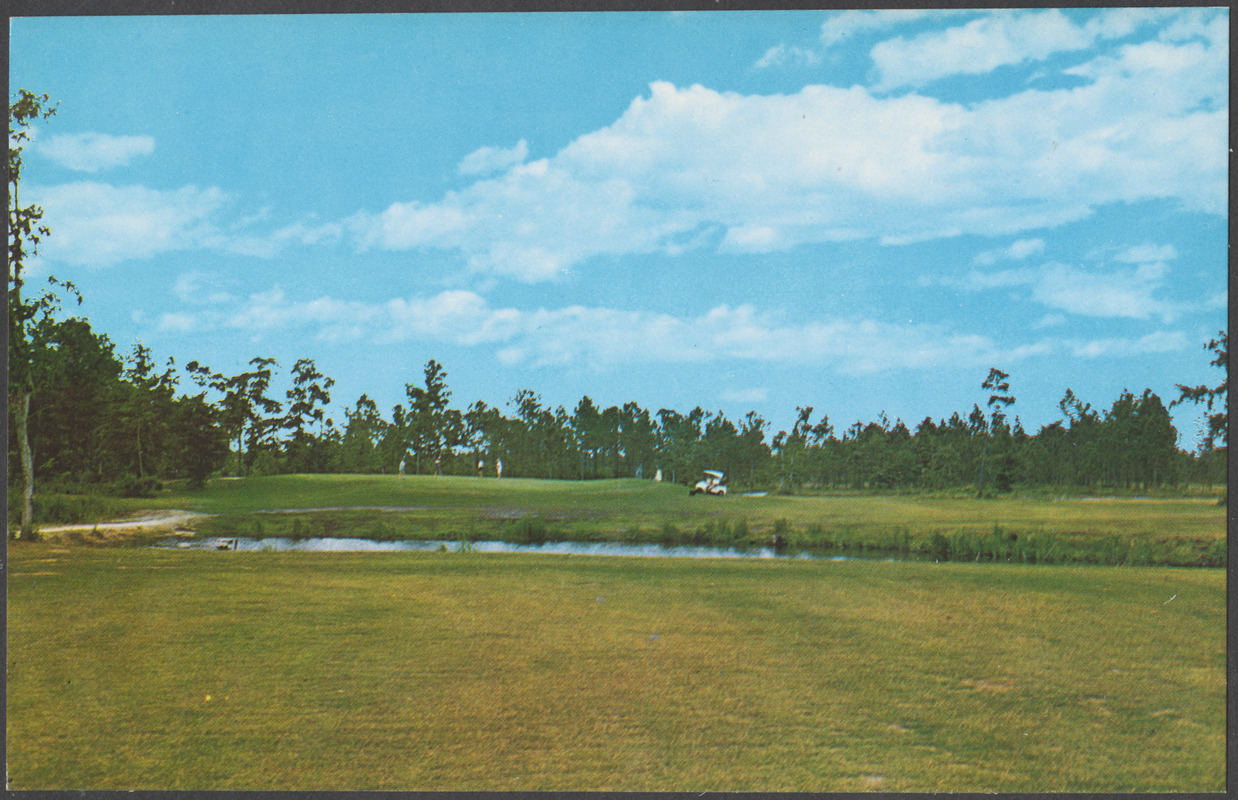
(713, 473)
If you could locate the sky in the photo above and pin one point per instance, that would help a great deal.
(858, 211)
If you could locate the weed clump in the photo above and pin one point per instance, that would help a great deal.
(525, 530)
(380, 531)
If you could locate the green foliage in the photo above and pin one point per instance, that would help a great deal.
(1218, 421)
(525, 530)
(133, 486)
(381, 531)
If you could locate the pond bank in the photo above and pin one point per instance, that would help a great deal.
(646, 550)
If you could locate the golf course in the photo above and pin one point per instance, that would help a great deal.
(880, 665)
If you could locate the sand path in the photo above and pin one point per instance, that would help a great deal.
(164, 520)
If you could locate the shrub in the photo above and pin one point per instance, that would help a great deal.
(380, 531)
(526, 530)
(133, 486)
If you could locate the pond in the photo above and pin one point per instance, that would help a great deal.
(651, 550)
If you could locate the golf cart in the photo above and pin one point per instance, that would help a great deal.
(714, 483)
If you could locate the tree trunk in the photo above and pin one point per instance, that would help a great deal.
(22, 411)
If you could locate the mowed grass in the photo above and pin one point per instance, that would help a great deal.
(133, 669)
(621, 504)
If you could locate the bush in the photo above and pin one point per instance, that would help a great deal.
(526, 530)
(380, 531)
(133, 486)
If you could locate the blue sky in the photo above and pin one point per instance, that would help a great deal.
(857, 211)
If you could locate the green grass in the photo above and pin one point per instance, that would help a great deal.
(1170, 530)
(1167, 530)
(131, 668)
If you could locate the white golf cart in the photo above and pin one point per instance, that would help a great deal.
(713, 483)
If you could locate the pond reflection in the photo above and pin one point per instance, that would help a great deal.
(650, 550)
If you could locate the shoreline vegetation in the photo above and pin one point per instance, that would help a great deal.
(1182, 527)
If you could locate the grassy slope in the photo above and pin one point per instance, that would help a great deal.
(158, 669)
(623, 502)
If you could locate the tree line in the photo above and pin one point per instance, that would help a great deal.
(83, 417)
(99, 417)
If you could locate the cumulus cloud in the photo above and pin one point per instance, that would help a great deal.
(92, 152)
(595, 337)
(493, 159)
(998, 39)
(687, 167)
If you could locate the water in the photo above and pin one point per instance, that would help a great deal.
(343, 545)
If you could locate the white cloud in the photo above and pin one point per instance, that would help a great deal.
(781, 55)
(1156, 342)
(999, 38)
(268, 245)
(1124, 292)
(1118, 294)
(1017, 251)
(596, 337)
(975, 280)
(98, 224)
(1147, 253)
(177, 322)
(198, 288)
(685, 167)
(493, 159)
(840, 26)
(600, 338)
(92, 152)
(1051, 321)
(754, 395)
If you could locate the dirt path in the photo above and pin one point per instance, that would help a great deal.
(164, 520)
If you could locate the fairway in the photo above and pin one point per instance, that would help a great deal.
(139, 669)
(1165, 529)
